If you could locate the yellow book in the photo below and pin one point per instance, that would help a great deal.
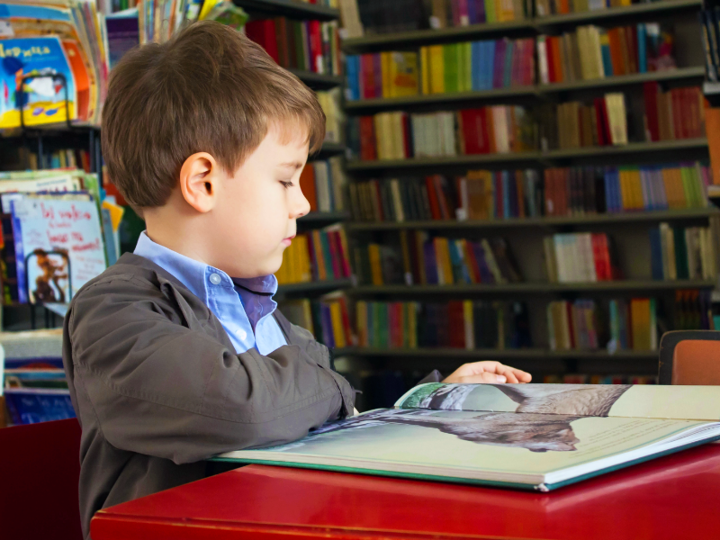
(442, 255)
(380, 135)
(404, 74)
(437, 68)
(375, 264)
(386, 68)
(425, 69)
(338, 332)
(640, 320)
(669, 189)
(361, 322)
(412, 325)
(305, 272)
(469, 325)
(634, 175)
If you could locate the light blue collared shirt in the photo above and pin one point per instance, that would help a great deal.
(245, 316)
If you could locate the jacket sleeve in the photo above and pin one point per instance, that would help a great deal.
(166, 388)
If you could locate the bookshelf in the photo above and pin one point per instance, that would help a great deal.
(524, 159)
(679, 75)
(628, 228)
(317, 81)
(516, 289)
(315, 288)
(548, 222)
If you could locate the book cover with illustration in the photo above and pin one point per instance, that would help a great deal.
(58, 245)
(41, 98)
(535, 436)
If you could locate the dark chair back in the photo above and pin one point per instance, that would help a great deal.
(39, 472)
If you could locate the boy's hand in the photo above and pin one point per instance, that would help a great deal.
(488, 372)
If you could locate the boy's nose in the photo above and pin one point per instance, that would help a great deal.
(301, 205)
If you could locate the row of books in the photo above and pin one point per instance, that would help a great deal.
(69, 158)
(453, 13)
(568, 191)
(423, 260)
(582, 325)
(305, 45)
(323, 182)
(438, 69)
(672, 115)
(318, 255)
(683, 252)
(591, 52)
(54, 63)
(456, 324)
(544, 8)
(398, 135)
(328, 319)
(580, 258)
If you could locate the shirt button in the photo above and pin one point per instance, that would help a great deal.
(242, 334)
(215, 279)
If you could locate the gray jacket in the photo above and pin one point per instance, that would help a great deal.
(158, 387)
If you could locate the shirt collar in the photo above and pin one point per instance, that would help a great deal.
(192, 273)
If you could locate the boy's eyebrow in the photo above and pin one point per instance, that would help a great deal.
(292, 164)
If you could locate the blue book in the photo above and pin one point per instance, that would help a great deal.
(607, 181)
(431, 271)
(656, 260)
(456, 263)
(476, 62)
(352, 68)
(33, 405)
(642, 48)
(490, 65)
(607, 60)
(472, 12)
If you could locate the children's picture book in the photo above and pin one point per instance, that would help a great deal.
(534, 436)
(32, 81)
(58, 245)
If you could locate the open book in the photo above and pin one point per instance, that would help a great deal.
(533, 436)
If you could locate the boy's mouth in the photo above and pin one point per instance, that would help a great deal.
(287, 241)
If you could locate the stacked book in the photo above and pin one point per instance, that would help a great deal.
(398, 135)
(579, 258)
(592, 52)
(303, 45)
(684, 252)
(58, 159)
(319, 255)
(457, 324)
(678, 113)
(327, 319)
(323, 183)
(58, 49)
(422, 260)
(622, 325)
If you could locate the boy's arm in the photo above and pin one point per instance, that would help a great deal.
(159, 387)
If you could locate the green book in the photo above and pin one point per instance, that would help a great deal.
(490, 13)
(534, 436)
(451, 61)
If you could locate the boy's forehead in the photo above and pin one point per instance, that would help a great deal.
(289, 133)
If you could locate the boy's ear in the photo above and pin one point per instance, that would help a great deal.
(199, 181)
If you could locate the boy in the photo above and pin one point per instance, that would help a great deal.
(177, 353)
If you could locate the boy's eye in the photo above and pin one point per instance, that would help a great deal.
(286, 184)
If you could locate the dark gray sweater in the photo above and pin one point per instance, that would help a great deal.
(158, 387)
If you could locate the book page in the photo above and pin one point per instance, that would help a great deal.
(495, 443)
(600, 400)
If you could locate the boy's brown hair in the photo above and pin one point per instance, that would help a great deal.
(208, 89)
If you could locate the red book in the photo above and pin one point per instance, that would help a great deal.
(442, 200)
(601, 269)
(470, 125)
(552, 73)
(346, 320)
(367, 68)
(571, 324)
(694, 113)
(344, 256)
(631, 37)
(432, 197)
(316, 47)
(283, 49)
(600, 102)
(407, 135)
(367, 139)
(313, 261)
(269, 40)
(307, 185)
(456, 324)
(484, 132)
(650, 90)
(677, 113)
(333, 242)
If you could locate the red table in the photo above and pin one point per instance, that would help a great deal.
(674, 497)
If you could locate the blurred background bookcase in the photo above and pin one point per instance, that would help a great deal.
(387, 370)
